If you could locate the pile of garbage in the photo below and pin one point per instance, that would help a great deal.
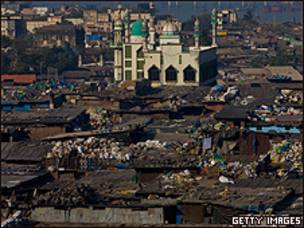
(219, 93)
(40, 89)
(102, 119)
(231, 77)
(172, 180)
(71, 196)
(53, 85)
(289, 96)
(90, 153)
(147, 145)
(268, 113)
(289, 151)
(216, 93)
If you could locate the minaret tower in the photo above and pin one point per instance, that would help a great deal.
(197, 32)
(118, 27)
(145, 34)
(127, 27)
(151, 34)
(213, 23)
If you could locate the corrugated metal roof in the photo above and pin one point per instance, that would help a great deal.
(19, 78)
(285, 70)
(24, 151)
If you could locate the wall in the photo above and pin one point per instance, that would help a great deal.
(133, 59)
(193, 214)
(75, 21)
(108, 215)
(208, 67)
(32, 25)
(171, 55)
(12, 27)
(100, 103)
(42, 132)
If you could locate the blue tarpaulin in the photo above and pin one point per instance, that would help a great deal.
(94, 37)
(122, 165)
(276, 129)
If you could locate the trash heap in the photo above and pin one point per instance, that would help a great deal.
(216, 93)
(39, 90)
(268, 113)
(102, 119)
(87, 154)
(289, 96)
(219, 93)
(176, 180)
(287, 151)
(147, 145)
(74, 195)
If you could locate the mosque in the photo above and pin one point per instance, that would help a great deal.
(141, 53)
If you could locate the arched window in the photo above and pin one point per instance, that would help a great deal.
(153, 73)
(171, 74)
(189, 74)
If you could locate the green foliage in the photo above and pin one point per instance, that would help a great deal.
(22, 57)
(248, 21)
(65, 22)
(5, 42)
(5, 63)
(22, 43)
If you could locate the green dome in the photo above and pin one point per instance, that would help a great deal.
(137, 28)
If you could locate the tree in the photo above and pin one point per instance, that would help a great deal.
(249, 20)
(22, 43)
(5, 42)
(5, 63)
(23, 57)
(66, 22)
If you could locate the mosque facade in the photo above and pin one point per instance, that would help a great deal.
(140, 53)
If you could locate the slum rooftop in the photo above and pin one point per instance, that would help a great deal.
(61, 115)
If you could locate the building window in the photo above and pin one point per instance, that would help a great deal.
(189, 74)
(140, 75)
(153, 74)
(140, 65)
(128, 50)
(128, 75)
(140, 53)
(161, 59)
(180, 59)
(128, 63)
(171, 74)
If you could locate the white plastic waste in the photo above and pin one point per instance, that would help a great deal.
(225, 180)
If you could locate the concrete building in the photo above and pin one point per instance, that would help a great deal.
(166, 61)
(33, 25)
(75, 21)
(12, 26)
(95, 21)
(57, 35)
(225, 17)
